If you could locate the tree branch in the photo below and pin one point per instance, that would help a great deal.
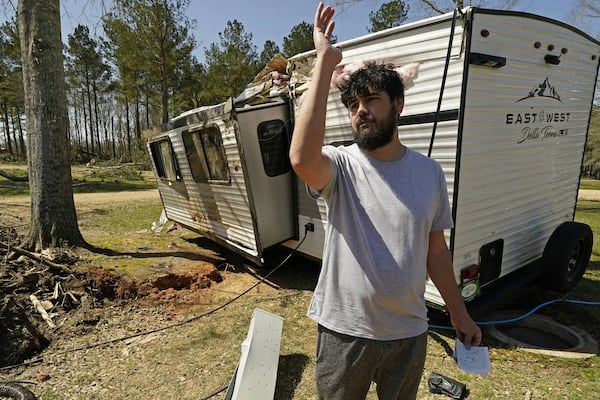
(434, 6)
(53, 266)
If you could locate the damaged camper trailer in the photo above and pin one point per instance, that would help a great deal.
(502, 101)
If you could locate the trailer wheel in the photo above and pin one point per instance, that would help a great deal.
(566, 256)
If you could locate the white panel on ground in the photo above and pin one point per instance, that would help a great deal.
(256, 374)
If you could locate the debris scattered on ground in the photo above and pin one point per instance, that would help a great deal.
(40, 301)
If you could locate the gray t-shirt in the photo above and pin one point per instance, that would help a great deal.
(380, 214)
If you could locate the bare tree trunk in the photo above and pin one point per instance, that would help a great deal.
(97, 119)
(85, 123)
(76, 118)
(148, 111)
(127, 117)
(138, 124)
(53, 215)
(112, 135)
(88, 95)
(19, 128)
(7, 127)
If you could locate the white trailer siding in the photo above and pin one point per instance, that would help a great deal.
(503, 105)
(520, 157)
(249, 205)
(220, 210)
(501, 191)
(425, 42)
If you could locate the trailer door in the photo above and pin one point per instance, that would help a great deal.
(263, 139)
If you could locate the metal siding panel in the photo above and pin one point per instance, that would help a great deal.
(232, 220)
(521, 191)
(310, 211)
(216, 209)
(518, 194)
(426, 43)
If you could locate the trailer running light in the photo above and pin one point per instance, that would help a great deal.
(470, 272)
(537, 45)
(485, 33)
(469, 282)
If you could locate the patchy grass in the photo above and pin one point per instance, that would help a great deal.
(86, 180)
(590, 184)
(114, 222)
(193, 360)
(207, 352)
(111, 179)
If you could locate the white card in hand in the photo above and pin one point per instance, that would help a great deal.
(475, 360)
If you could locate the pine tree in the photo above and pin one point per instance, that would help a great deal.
(231, 64)
(389, 15)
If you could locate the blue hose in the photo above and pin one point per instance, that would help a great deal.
(527, 314)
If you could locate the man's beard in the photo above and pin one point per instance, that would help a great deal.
(376, 134)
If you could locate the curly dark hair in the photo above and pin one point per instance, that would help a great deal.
(372, 76)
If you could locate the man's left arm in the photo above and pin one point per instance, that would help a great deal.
(440, 270)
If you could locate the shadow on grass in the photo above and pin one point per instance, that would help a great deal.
(296, 272)
(444, 338)
(22, 188)
(289, 375)
(116, 186)
(182, 254)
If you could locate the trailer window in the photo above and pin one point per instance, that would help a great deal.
(206, 155)
(273, 142)
(165, 161)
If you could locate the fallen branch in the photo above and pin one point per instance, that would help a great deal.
(119, 166)
(40, 308)
(13, 177)
(53, 266)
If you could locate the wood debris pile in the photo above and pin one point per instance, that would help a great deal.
(35, 291)
(46, 295)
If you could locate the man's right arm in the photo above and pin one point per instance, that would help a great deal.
(309, 163)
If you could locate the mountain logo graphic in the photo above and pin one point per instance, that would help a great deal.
(544, 89)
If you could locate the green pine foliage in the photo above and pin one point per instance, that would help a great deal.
(389, 15)
(299, 40)
(230, 64)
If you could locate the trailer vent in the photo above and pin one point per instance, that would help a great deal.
(552, 59)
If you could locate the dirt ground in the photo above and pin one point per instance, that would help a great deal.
(133, 314)
(99, 309)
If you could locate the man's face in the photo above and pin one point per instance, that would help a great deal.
(374, 119)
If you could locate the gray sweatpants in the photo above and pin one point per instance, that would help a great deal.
(346, 366)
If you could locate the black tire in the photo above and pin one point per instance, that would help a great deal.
(9, 390)
(566, 256)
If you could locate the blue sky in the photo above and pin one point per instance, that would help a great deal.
(267, 19)
(271, 20)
